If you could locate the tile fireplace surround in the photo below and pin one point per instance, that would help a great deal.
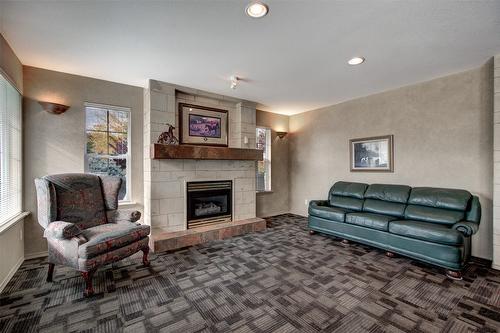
(165, 179)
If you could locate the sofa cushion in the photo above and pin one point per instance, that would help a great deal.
(384, 207)
(346, 203)
(369, 220)
(327, 212)
(110, 236)
(348, 189)
(387, 192)
(433, 215)
(440, 198)
(430, 232)
(79, 199)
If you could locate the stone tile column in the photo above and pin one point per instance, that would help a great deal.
(496, 165)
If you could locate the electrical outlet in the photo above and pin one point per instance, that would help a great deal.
(306, 202)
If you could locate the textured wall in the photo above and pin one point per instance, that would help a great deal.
(10, 64)
(496, 166)
(56, 143)
(443, 137)
(276, 201)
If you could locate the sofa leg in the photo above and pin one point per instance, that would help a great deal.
(312, 232)
(89, 288)
(145, 252)
(390, 254)
(50, 273)
(345, 242)
(454, 275)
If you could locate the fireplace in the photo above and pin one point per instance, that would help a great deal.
(209, 202)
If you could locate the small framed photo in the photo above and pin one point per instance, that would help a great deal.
(200, 125)
(375, 154)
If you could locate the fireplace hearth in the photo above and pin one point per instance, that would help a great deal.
(209, 202)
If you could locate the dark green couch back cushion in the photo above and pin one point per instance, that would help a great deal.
(387, 192)
(347, 195)
(435, 215)
(440, 198)
(384, 207)
(348, 189)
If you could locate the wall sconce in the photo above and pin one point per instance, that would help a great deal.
(281, 135)
(53, 107)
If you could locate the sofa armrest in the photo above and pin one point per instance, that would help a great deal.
(315, 203)
(466, 228)
(61, 230)
(123, 216)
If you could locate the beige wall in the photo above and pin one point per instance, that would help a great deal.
(11, 243)
(443, 137)
(496, 167)
(10, 65)
(55, 143)
(275, 202)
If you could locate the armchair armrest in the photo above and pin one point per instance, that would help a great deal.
(466, 228)
(123, 216)
(61, 230)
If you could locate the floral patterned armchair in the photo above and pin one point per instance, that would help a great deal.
(83, 225)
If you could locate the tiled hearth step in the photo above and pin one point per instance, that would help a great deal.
(166, 241)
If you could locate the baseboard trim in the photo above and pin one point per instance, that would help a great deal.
(36, 255)
(11, 273)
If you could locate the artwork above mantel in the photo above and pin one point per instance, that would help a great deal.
(162, 151)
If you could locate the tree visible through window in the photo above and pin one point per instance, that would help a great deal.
(108, 153)
(263, 182)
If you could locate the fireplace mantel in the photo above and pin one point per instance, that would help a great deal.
(161, 151)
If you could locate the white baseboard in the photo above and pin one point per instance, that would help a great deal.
(11, 273)
(36, 255)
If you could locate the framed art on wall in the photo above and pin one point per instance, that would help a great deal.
(200, 125)
(374, 154)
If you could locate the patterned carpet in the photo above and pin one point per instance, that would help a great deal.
(280, 280)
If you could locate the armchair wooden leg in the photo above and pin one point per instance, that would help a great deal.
(145, 252)
(89, 288)
(50, 273)
(454, 275)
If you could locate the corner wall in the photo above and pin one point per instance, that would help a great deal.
(443, 137)
(276, 201)
(496, 165)
(56, 143)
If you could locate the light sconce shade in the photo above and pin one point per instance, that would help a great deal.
(281, 135)
(54, 107)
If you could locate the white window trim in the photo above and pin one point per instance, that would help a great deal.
(128, 156)
(270, 161)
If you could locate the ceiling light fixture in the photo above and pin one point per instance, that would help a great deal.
(257, 9)
(356, 61)
(234, 81)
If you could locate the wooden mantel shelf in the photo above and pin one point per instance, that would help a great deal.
(161, 151)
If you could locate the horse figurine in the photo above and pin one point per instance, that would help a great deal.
(168, 137)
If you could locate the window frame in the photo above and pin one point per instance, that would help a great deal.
(19, 214)
(269, 143)
(128, 156)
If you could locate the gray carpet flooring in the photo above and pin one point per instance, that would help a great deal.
(279, 280)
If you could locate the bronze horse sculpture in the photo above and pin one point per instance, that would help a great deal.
(168, 137)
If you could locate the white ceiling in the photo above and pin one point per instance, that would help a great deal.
(293, 60)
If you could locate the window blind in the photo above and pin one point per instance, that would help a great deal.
(10, 151)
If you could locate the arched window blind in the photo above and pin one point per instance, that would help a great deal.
(10, 151)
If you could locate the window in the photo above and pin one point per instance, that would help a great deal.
(264, 166)
(10, 151)
(108, 143)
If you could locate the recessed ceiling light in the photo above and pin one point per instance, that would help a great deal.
(257, 9)
(356, 61)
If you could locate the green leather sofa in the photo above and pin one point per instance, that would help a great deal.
(433, 225)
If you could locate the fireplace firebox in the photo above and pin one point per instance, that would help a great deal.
(209, 202)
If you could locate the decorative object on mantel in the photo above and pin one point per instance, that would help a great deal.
(372, 154)
(53, 107)
(281, 135)
(200, 125)
(159, 151)
(168, 137)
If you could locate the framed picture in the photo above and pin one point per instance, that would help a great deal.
(372, 154)
(200, 125)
